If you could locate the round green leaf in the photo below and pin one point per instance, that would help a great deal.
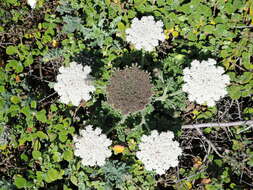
(20, 182)
(68, 155)
(36, 154)
(51, 175)
(15, 99)
(10, 50)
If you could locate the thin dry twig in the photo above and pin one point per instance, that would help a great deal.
(209, 142)
(50, 95)
(227, 109)
(241, 27)
(229, 124)
(239, 110)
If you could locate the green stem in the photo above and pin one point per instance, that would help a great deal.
(176, 93)
(119, 123)
(142, 58)
(143, 121)
(165, 95)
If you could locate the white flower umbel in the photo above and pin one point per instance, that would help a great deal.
(92, 147)
(145, 33)
(159, 152)
(204, 82)
(74, 84)
(32, 3)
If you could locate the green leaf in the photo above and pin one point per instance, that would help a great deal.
(14, 64)
(246, 77)
(41, 116)
(248, 110)
(246, 60)
(68, 155)
(46, 39)
(20, 182)
(28, 61)
(207, 130)
(121, 26)
(51, 175)
(24, 157)
(209, 29)
(41, 135)
(229, 8)
(2, 89)
(33, 104)
(57, 157)
(15, 99)
(234, 92)
(250, 162)
(11, 50)
(63, 136)
(53, 107)
(237, 145)
(36, 154)
(191, 36)
(39, 175)
(1, 29)
(73, 179)
(218, 162)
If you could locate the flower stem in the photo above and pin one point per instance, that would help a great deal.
(142, 58)
(119, 123)
(165, 95)
(143, 122)
(176, 93)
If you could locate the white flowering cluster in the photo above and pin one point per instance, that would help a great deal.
(32, 3)
(74, 84)
(204, 82)
(92, 147)
(159, 152)
(145, 33)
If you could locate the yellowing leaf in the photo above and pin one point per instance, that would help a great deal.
(166, 33)
(175, 34)
(188, 184)
(197, 162)
(206, 181)
(55, 43)
(17, 78)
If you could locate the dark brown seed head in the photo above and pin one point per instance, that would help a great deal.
(129, 90)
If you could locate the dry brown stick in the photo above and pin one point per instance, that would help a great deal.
(229, 124)
(239, 110)
(209, 143)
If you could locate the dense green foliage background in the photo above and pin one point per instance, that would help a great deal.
(36, 131)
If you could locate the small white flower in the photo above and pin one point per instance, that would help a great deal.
(32, 3)
(74, 84)
(159, 152)
(145, 33)
(204, 82)
(92, 147)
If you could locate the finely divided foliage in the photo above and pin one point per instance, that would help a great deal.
(205, 83)
(74, 84)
